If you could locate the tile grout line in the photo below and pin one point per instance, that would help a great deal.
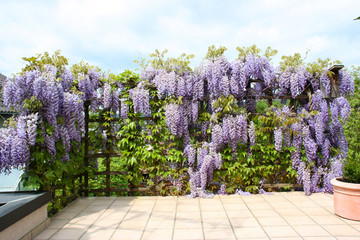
(69, 220)
(309, 215)
(227, 217)
(147, 222)
(254, 215)
(173, 229)
(282, 215)
(96, 218)
(201, 219)
(338, 217)
(122, 218)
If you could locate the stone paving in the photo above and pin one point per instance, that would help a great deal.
(290, 215)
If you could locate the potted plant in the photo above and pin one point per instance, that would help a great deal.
(347, 191)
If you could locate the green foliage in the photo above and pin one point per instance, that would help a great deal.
(352, 167)
(158, 60)
(40, 60)
(146, 145)
(291, 61)
(214, 52)
(228, 105)
(351, 170)
(253, 49)
(82, 67)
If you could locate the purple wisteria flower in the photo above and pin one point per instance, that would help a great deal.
(278, 138)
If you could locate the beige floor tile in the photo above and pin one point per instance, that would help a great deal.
(133, 224)
(289, 212)
(253, 199)
(342, 231)
(319, 238)
(211, 207)
(98, 233)
(188, 215)
(249, 232)
(159, 234)
(81, 223)
(68, 234)
(259, 206)
(213, 214)
(160, 198)
(187, 224)
(214, 223)
(210, 201)
(113, 215)
(88, 215)
(244, 222)
(326, 220)
(285, 238)
(316, 211)
(272, 221)
(330, 209)
(94, 208)
(85, 200)
(305, 204)
(296, 197)
(106, 223)
(119, 208)
(239, 213)
(123, 201)
(236, 200)
(280, 231)
(188, 207)
(131, 216)
(164, 208)
(194, 233)
(351, 222)
(163, 216)
(311, 231)
(65, 214)
(265, 213)
(160, 224)
(46, 234)
(58, 223)
(75, 208)
(275, 198)
(103, 201)
(324, 203)
(357, 227)
(141, 208)
(347, 238)
(141, 203)
(235, 206)
(299, 220)
(282, 205)
(225, 233)
(127, 234)
(186, 200)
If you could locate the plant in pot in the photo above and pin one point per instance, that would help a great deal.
(347, 187)
(347, 191)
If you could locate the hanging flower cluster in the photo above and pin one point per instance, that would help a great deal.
(15, 142)
(45, 103)
(201, 168)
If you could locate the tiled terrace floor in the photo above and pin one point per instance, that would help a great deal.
(280, 216)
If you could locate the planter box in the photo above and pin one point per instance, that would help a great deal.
(22, 214)
(346, 199)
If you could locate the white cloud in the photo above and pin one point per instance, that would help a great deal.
(108, 31)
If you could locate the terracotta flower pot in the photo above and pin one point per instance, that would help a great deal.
(346, 199)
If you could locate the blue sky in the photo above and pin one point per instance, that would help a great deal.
(113, 33)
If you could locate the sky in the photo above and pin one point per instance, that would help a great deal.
(111, 34)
